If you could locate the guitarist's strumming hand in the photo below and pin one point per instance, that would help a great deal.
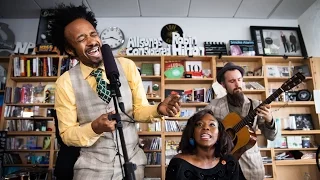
(265, 112)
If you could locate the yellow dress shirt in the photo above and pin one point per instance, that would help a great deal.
(65, 104)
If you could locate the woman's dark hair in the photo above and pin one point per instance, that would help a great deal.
(223, 145)
(64, 15)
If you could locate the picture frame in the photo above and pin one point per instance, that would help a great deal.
(278, 41)
(303, 121)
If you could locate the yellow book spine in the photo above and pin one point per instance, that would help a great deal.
(28, 68)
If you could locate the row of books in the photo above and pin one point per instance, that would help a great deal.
(45, 67)
(286, 71)
(15, 158)
(153, 158)
(150, 143)
(27, 67)
(175, 126)
(192, 95)
(26, 111)
(29, 93)
(27, 125)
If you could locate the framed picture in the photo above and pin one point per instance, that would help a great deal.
(278, 41)
(303, 121)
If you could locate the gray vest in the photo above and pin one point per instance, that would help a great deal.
(89, 108)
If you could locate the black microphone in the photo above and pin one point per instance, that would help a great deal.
(110, 65)
(112, 73)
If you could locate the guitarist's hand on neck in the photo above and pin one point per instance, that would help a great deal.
(265, 112)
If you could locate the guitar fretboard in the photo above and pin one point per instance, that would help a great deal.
(249, 119)
(290, 83)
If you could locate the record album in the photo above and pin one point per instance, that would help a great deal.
(166, 32)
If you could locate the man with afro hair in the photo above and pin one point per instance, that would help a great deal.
(82, 115)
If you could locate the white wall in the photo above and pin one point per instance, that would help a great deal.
(309, 22)
(204, 29)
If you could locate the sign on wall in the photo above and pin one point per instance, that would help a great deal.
(181, 46)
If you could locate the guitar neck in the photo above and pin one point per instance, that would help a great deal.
(249, 119)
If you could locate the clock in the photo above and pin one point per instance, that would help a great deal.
(113, 36)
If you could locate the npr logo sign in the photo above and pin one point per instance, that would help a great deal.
(24, 48)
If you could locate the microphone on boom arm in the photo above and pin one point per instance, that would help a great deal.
(112, 73)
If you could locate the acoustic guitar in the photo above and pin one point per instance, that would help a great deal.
(240, 130)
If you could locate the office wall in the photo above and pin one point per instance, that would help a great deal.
(309, 22)
(204, 29)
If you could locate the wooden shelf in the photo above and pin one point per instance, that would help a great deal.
(40, 56)
(151, 78)
(189, 80)
(154, 98)
(30, 104)
(176, 118)
(26, 165)
(173, 133)
(293, 104)
(295, 132)
(295, 162)
(267, 164)
(143, 58)
(295, 149)
(149, 133)
(254, 91)
(27, 150)
(240, 58)
(282, 60)
(30, 133)
(29, 118)
(4, 57)
(187, 58)
(199, 104)
(283, 79)
(153, 166)
(209, 62)
(299, 132)
(35, 79)
(253, 78)
(148, 151)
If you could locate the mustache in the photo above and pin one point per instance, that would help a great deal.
(238, 88)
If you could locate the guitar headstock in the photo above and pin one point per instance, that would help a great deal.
(293, 81)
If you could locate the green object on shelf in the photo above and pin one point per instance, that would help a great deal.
(147, 69)
(176, 72)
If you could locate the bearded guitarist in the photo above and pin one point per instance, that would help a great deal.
(231, 78)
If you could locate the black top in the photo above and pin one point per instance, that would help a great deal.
(67, 156)
(226, 169)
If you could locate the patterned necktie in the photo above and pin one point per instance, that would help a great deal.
(102, 90)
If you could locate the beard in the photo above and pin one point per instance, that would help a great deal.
(237, 98)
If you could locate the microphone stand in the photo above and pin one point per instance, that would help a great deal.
(129, 167)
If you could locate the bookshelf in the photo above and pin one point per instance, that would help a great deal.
(30, 136)
(275, 168)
